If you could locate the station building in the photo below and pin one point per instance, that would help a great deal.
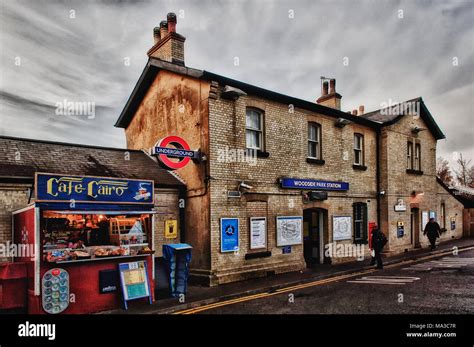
(274, 165)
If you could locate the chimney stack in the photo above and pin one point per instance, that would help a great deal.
(332, 98)
(354, 112)
(168, 44)
(361, 110)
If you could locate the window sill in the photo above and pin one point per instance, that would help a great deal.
(315, 161)
(414, 172)
(260, 154)
(359, 167)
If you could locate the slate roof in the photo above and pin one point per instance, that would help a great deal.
(20, 158)
(386, 117)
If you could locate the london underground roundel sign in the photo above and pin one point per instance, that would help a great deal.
(180, 149)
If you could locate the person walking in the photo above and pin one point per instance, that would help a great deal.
(378, 243)
(432, 231)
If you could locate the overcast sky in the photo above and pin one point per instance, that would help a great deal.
(79, 51)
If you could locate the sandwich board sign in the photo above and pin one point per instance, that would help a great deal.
(134, 281)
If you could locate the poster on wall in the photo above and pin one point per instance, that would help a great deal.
(258, 232)
(171, 229)
(289, 230)
(342, 228)
(424, 220)
(229, 234)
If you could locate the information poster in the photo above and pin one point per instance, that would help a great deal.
(342, 228)
(229, 234)
(258, 232)
(171, 229)
(134, 281)
(289, 230)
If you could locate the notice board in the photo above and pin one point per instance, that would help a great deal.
(134, 281)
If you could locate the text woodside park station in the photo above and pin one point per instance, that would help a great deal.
(256, 182)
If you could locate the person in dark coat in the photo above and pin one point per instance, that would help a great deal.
(378, 243)
(432, 230)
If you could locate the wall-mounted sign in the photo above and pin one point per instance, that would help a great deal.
(400, 206)
(297, 183)
(289, 230)
(171, 229)
(180, 149)
(400, 229)
(286, 250)
(229, 234)
(90, 189)
(134, 281)
(258, 232)
(108, 281)
(453, 223)
(55, 286)
(341, 228)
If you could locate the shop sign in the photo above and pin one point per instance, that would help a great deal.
(229, 234)
(91, 189)
(171, 229)
(258, 232)
(134, 281)
(289, 230)
(400, 229)
(341, 228)
(180, 149)
(297, 183)
(55, 296)
(400, 206)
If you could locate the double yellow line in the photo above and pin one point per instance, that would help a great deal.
(304, 285)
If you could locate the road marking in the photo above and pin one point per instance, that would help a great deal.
(305, 285)
(397, 280)
(443, 263)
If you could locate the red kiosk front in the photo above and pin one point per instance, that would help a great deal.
(75, 235)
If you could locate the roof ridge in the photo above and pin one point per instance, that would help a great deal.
(66, 143)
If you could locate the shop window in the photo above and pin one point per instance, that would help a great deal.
(410, 155)
(358, 149)
(417, 157)
(69, 236)
(254, 129)
(314, 141)
(443, 215)
(360, 222)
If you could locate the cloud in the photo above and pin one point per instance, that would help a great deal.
(396, 50)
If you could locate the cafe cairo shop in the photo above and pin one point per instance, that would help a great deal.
(83, 227)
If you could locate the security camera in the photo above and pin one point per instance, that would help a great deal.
(244, 185)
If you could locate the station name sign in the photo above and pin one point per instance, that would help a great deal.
(297, 183)
(67, 188)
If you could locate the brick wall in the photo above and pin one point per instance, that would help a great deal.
(12, 197)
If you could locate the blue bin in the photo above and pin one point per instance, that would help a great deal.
(177, 258)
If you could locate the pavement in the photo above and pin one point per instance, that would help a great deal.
(198, 296)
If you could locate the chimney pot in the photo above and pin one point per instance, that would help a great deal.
(156, 35)
(354, 112)
(163, 28)
(332, 86)
(361, 109)
(171, 18)
(325, 88)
